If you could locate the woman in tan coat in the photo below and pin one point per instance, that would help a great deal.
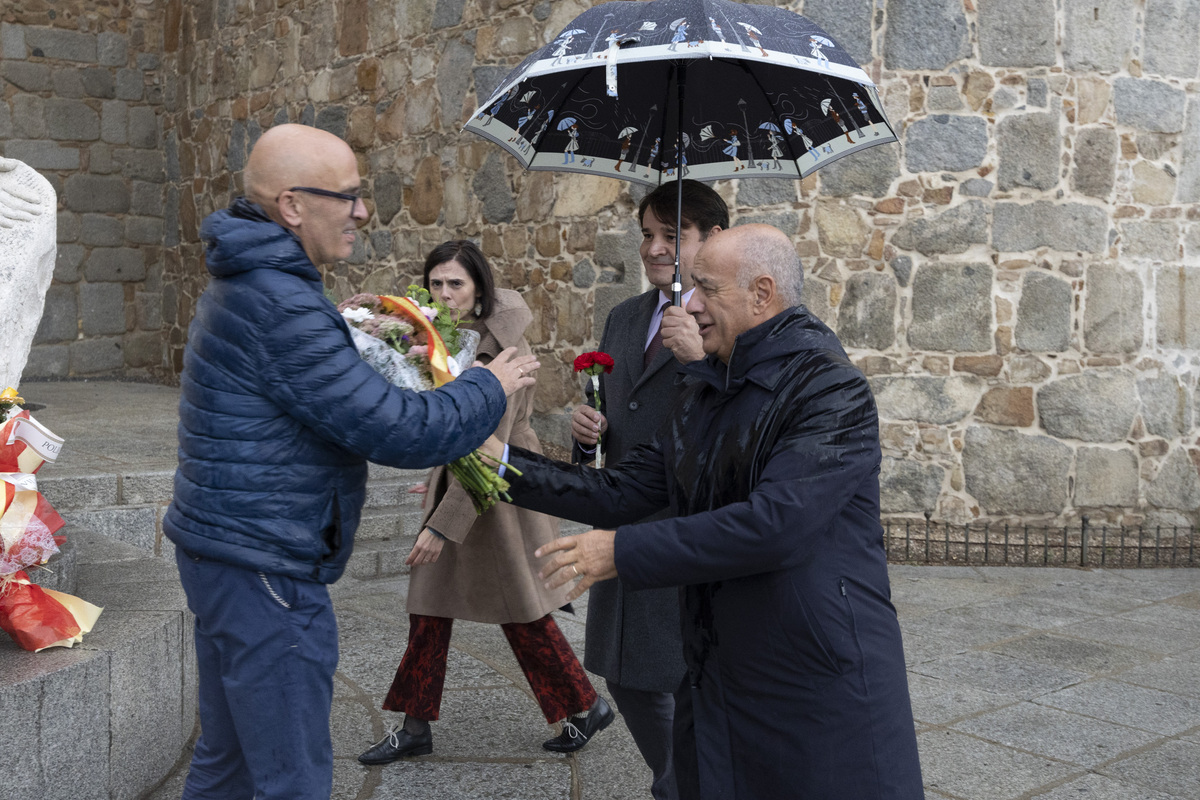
(482, 568)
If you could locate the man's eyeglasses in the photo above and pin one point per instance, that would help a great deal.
(353, 198)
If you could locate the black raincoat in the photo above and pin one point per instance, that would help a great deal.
(796, 684)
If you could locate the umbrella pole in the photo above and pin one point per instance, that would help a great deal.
(676, 283)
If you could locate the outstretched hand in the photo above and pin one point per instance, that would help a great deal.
(588, 556)
(513, 371)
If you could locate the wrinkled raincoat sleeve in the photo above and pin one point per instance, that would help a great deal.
(606, 498)
(814, 471)
(312, 370)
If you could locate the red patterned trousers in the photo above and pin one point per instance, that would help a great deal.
(559, 683)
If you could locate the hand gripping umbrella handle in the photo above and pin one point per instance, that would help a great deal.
(676, 283)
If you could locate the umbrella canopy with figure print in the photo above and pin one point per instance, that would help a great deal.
(704, 89)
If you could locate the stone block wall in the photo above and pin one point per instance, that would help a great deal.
(1018, 277)
(81, 99)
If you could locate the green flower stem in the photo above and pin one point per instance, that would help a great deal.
(483, 484)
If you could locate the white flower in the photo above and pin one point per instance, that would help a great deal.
(452, 367)
(357, 315)
(430, 313)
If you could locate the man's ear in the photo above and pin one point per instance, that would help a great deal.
(764, 292)
(289, 209)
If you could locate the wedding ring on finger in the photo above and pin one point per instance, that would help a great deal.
(575, 570)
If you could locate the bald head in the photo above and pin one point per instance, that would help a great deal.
(295, 155)
(307, 181)
(764, 250)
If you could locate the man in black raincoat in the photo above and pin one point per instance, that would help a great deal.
(796, 684)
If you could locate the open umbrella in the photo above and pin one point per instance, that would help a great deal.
(700, 105)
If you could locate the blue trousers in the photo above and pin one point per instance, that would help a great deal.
(266, 651)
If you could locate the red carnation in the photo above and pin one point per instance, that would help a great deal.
(592, 363)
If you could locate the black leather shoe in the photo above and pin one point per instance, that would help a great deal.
(398, 743)
(576, 734)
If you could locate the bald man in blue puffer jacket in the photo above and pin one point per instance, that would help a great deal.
(277, 420)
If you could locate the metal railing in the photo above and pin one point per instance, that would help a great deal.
(1082, 544)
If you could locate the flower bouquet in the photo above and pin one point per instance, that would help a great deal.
(415, 343)
(592, 364)
(34, 617)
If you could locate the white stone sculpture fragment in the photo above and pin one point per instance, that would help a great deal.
(28, 228)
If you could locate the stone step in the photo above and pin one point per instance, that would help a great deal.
(129, 508)
(61, 572)
(388, 522)
(380, 558)
(108, 719)
(385, 487)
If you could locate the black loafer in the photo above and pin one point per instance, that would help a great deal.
(575, 736)
(398, 743)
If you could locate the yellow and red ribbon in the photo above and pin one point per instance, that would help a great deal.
(437, 348)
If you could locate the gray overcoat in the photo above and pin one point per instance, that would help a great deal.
(633, 638)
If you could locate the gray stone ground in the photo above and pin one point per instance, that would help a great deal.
(1057, 684)
(1047, 683)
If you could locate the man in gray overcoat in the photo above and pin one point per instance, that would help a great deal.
(633, 638)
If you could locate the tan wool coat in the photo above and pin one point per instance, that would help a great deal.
(486, 571)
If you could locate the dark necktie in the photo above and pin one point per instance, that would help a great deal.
(655, 342)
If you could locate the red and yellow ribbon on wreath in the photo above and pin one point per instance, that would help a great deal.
(437, 347)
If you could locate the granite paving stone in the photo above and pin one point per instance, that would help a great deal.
(939, 703)
(1183, 619)
(1171, 582)
(1096, 658)
(1072, 597)
(1100, 787)
(1172, 767)
(490, 723)
(1032, 612)
(965, 625)
(919, 649)
(910, 610)
(1125, 704)
(475, 781)
(938, 594)
(350, 727)
(375, 652)
(625, 774)
(1189, 655)
(1005, 675)
(911, 571)
(1176, 675)
(964, 766)
(1129, 633)
(1056, 734)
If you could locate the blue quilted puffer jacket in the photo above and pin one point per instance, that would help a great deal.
(278, 414)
